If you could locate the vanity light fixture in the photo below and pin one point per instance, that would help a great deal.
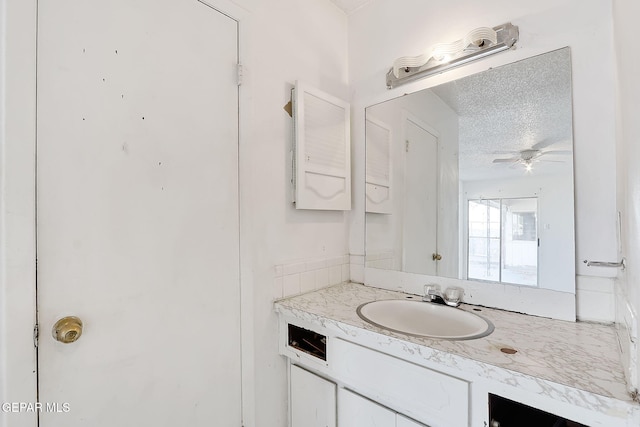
(475, 45)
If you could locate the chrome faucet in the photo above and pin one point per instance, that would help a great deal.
(432, 293)
(452, 296)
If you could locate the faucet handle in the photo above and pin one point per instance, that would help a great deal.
(431, 290)
(453, 296)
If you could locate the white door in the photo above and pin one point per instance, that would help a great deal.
(137, 211)
(421, 207)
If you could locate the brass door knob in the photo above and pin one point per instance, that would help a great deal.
(436, 257)
(67, 330)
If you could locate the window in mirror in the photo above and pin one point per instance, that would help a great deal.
(523, 225)
(503, 240)
(484, 240)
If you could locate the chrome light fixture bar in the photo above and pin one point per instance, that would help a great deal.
(478, 44)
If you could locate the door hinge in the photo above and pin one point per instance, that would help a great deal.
(36, 335)
(406, 146)
(240, 73)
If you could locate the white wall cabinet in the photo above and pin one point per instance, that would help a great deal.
(378, 167)
(322, 150)
(313, 400)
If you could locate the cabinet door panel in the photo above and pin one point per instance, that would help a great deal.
(406, 422)
(313, 400)
(428, 396)
(357, 411)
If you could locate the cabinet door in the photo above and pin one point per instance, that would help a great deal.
(313, 400)
(403, 421)
(430, 396)
(356, 411)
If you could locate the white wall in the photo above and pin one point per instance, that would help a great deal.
(625, 17)
(281, 41)
(383, 31)
(287, 40)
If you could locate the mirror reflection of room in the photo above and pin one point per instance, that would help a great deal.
(473, 179)
(503, 240)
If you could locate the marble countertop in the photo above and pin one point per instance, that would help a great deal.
(579, 360)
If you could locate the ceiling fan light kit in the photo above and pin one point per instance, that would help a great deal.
(529, 156)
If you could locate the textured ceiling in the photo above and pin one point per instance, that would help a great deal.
(512, 108)
(349, 6)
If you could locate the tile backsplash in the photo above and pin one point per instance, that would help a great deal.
(383, 259)
(306, 275)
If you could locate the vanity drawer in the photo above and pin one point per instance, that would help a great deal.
(428, 396)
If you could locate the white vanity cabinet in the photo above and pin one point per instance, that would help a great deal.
(402, 421)
(333, 378)
(313, 399)
(357, 411)
(445, 384)
(424, 394)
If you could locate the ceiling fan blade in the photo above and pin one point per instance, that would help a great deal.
(558, 152)
(505, 152)
(542, 153)
(543, 144)
(513, 160)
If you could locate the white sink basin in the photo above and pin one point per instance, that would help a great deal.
(424, 319)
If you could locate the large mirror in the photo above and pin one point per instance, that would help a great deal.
(473, 179)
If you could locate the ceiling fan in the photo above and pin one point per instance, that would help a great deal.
(530, 155)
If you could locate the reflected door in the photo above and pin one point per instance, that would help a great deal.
(421, 190)
(138, 232)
